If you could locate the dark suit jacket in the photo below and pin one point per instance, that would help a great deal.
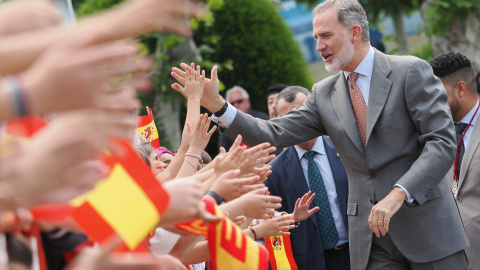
(226, 142)
(288, 181)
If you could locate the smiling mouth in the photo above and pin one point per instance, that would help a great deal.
(327, 56)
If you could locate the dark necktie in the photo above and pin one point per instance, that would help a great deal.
(359, 107)
(459, 129)
(326, 223)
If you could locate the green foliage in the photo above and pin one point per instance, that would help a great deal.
(88, 7)
(424, 52)
(254, 48)
(440, 12)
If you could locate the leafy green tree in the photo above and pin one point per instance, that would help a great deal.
(452, 25)
(254, 46)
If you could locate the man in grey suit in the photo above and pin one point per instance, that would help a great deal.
(389, 119)
(457, 75)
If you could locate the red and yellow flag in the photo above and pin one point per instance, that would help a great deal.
(280, 251)
(230, 248)
(128, 203)
(146, 126)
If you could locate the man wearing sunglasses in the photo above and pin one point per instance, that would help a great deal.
(239, 98)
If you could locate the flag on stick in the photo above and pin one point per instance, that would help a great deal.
(146, 126)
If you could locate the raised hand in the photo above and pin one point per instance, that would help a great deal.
(211, 98)
(200, 136)
(257, 156)
(256, 204)
(275, 226)
(194, 83)
(231, 188)
(302, 205)
(77, 74)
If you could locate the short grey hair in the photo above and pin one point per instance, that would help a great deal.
(349, 12)
(244, 92)
(290, 94)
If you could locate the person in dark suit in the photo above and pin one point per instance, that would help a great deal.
(239, 98)
(289, 180)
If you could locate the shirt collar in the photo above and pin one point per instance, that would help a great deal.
(470, 114)
(365, 67)
(318, 147)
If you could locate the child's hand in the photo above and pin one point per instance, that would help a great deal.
(194, 83)
(301, 211)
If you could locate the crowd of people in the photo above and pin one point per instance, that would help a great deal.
(375, 168)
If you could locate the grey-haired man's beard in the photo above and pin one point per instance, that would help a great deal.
(342, 58)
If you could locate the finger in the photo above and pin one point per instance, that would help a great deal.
(236, 143)
(313, 210)
(285, 233)
(210, 133)
(381, 225)
(222, 150)
(310, 199)
(203, 75)
(373, 223)
(214, 76)
(386, 223)
(178, 75)
(197, 74)
(178, 88)
(297, 203)
(230, 174)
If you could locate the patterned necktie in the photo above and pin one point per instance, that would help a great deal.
(359, 107)
(328, 230)
(459, 129)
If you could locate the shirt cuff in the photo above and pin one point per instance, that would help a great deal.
(409, 198)
(227, 118)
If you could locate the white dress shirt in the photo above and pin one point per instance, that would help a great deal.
(466, 120)
(321, 160)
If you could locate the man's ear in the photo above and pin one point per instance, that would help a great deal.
(460, 89)
(356, 31)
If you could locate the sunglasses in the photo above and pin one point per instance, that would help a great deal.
(239, 101)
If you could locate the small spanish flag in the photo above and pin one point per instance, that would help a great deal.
(146, 126)
(280, 251)
(128, 203)
(196, 227)
(230, 248)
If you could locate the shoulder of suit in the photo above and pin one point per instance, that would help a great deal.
(279, 159)
(327, 82)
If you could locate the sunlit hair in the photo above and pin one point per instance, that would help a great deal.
(244, 92)
(349, 12)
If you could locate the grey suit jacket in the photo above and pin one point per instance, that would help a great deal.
(468, 197)
(410, 141)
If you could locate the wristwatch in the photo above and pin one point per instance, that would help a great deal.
(217, 197)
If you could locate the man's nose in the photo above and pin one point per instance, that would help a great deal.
(321, 46)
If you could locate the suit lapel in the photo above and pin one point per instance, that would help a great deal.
(295, 176)
(379, 90)
(472, 146)
(342, 106)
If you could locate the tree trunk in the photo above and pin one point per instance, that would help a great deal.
(400, 35)
(461, 35)
(167, 105)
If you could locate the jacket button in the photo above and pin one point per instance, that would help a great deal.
(459, 199)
